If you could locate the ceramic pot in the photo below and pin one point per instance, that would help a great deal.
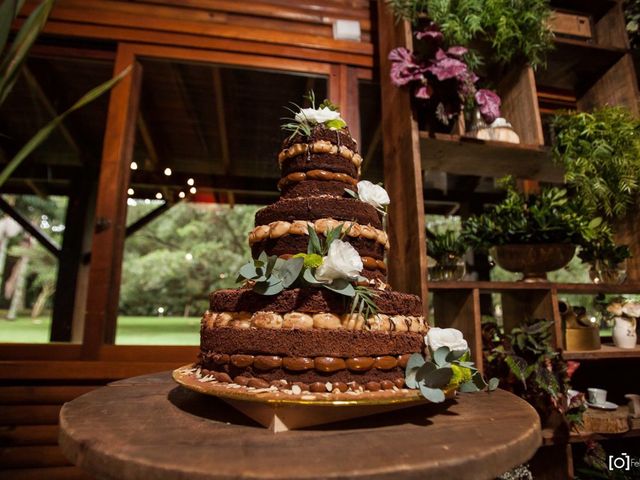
(624, 332)
(533, 260)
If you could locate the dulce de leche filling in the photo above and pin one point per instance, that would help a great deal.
(321, 226)
(301, 364)
(304, 321)
(316, 175)
(320, 146)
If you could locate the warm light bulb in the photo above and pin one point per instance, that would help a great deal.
(159, 196)
(167, 172)
(134, 166)
(191, 181)
(182, 195)
(130, 191)
(192, 190)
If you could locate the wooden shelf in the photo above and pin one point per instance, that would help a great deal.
(575, 437)
(577, 65)
(596, 8)
(606, 352)
(486, 286)
(485, 158)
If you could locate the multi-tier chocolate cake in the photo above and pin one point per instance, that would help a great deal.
(307, 334)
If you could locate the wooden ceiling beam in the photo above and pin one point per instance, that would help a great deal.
(222, 126)
(37, 90)
(189, 107)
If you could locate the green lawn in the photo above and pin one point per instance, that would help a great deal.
(131, 330)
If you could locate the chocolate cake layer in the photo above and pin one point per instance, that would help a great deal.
(310, 376)
(313, 188)
(320, 132)
(292, 244)
(341, 209)
(319, 161)
(309, 300)
(308, 343)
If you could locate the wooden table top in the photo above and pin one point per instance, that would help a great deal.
(149, 428)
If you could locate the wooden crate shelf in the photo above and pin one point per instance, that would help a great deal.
(469, 156)
(577, 65)
(596, 8)
(605, 353)
(577, 288)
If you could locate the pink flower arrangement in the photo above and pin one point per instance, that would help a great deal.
(441, 78)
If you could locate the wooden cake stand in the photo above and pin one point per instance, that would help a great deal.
(150, 428)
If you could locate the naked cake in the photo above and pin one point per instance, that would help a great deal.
(315, 309)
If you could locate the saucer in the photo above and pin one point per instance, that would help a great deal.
(603, 406)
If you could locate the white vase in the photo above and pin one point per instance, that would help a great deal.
(624, 332)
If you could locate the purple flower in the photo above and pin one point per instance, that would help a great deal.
(488, 104)
(405, 67)
(424, 92)
(446, 67)
(456, 51)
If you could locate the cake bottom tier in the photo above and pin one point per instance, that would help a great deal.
(317, 359)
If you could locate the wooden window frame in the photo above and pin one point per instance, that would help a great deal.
(95, 336)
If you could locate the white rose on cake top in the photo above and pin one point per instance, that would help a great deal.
(373, 194)
(342, 261)
(317, 115)
(446, 337)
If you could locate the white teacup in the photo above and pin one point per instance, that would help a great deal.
(597, 396)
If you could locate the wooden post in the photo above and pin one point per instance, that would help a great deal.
(344, 91)
(69, 302)
(111, 208)
(402, 168)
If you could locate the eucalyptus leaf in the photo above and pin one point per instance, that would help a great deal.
(263, 259)
(248, 271)
(440, 356)
(271, 286)
(438, 378)
(308, 277)
(413, 365)
(469, 387)
(479, 381)
(290, 271)
(351, 192)
(434, 395)
(493, 383)
(455, 355)
(341, 286)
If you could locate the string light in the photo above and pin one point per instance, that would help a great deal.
(159, 196)
(167, 172)
(192, 190)
(134, 166)
(189, 257)
(131, 191)
(182, 195)
(191, 182)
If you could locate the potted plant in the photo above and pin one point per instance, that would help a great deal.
(526, 364)
(447, 250)
(497, 32)
(600, 153)
(441, 82)
(532, 234)
(607, 261)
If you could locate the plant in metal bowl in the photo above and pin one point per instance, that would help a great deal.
(531, 234)
(606, 259)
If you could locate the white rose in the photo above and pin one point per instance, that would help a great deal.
(342, 261)
(373, 194)
(316, 115)
(446, 337)
(631, 309)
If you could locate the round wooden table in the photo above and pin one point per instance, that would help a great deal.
(149, 428)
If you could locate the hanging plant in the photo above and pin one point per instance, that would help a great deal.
(600, 152)
(515, 31)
